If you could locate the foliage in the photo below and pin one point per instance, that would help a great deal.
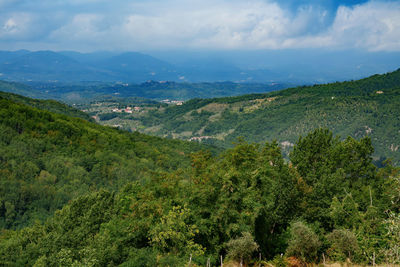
(77, 193)
(47, 159)
(392, 223)
(279, 261)
(343, 245)
(392, 252)
(367, 107)
(304, 243)
(242, 248)
(175, 235)
(49, 105)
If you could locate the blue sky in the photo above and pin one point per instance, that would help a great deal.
(146, 25)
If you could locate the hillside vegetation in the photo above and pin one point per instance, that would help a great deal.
(330, 200)
(47, 159)
(49, 105)
(86, 92)
(75, 193)
(367, 107)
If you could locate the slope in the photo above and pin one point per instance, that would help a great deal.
(49, 105)
(46, 159)
(329, 199)
(357, 108)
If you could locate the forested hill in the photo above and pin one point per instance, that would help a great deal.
(49, 105)
(357, 108)
(47, 159)
(75, 193)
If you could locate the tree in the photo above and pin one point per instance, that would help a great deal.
(242, 248)
(343, 244)
(174, 234)
(304, 243)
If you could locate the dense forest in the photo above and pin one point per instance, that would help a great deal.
(74, 193)
(367, 107)
(49, 158)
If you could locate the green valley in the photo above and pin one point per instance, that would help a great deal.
(76, 193)
(367, 107)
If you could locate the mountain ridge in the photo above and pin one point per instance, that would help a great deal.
(205, 66)
(357, 108)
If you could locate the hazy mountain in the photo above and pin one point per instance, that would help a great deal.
(88, 58)
(289, 66)
(137, 67)
(45, 66)
(6, 56)
(69, 66)
(300, 66)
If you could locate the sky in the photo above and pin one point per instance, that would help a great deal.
(146, 25)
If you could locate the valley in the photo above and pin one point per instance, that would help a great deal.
(172, 133)
(367, 107)
(299, 175)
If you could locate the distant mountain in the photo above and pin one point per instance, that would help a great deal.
(49, 66)
(138, 67)
(357, 108)
(88, 58)
(282, 66)
(84, 92)
(7, 56)
(155, 90)
(45, 66)
(296, 66)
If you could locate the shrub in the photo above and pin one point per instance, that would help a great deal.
(242, 248)
(304, 243)
(344, 243)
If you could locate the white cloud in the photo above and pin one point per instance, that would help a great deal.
(17, 26)
(226, 25)
(81, 27)
(10, 26)
(209, 24)
(375, 26)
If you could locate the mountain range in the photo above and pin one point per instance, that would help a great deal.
(294, 67)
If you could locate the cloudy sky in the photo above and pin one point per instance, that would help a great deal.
(145, 25)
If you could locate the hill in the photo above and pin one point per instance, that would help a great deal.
(46, 159)
(330, 202)
(86, 92)
(75, 193)
(366, 107)
(49, 105)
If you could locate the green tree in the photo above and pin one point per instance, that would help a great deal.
(343, 244)
(303, 242)
(241, 249)
(174, 234)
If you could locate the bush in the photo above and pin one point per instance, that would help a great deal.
(304, 243)
(141, 258)
(241, 249)
(279, 261)
(344, 243)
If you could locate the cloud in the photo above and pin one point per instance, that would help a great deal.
(16, 26)
(194, 24)
(375, 26)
